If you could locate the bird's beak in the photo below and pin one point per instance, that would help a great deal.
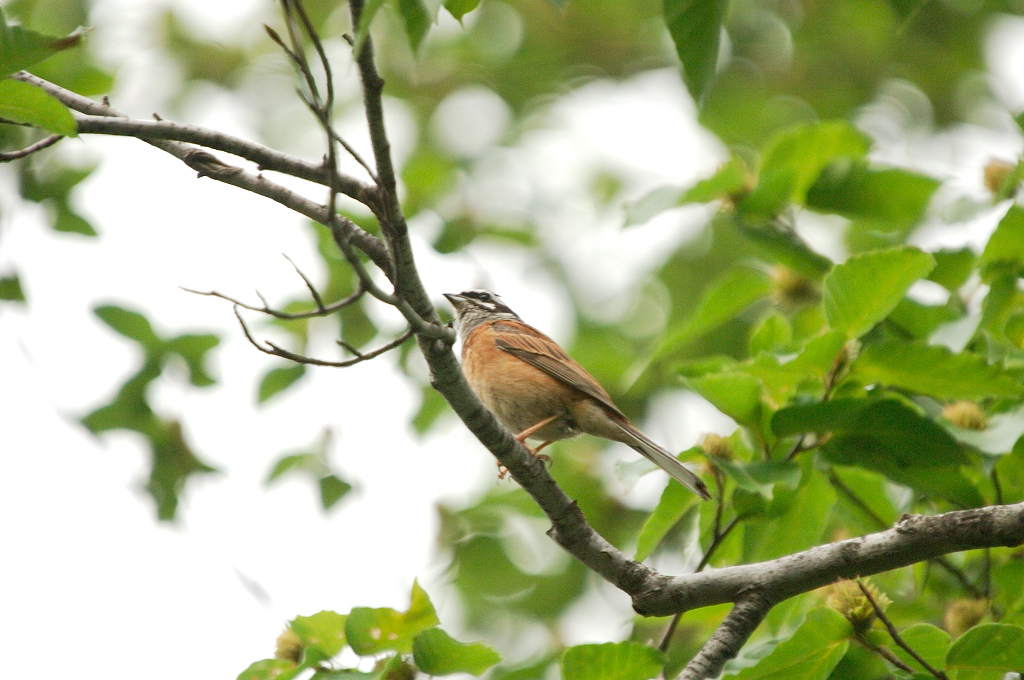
(456, 300)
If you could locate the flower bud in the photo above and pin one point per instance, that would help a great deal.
(847, 598)
(289, 646)
(996, 173)
(964, 614)
(965, 414)
(792, 289)
(717, 446)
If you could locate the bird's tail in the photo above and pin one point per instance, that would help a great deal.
(663, 459)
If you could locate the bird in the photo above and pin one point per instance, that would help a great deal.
(536, 390)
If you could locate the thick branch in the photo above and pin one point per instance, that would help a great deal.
(915, 538)
(725, 644)
(102, 119)
(407, 282)
(265, 157)
(208, 165)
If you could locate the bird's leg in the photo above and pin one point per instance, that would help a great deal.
(522, 436)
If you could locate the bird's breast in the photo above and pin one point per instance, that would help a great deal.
(519, 395)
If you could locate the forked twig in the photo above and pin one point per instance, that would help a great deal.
(321, 308)
(275, 350)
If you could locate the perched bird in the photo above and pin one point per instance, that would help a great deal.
(536, 390)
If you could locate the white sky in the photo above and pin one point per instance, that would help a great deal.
(90, 580)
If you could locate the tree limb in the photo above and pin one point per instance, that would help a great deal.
(103, 119)
(725, 644)
(915, 538)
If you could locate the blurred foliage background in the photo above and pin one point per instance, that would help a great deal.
(858, 129)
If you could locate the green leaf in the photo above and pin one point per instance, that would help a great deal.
(989, 646)
(24, 103)
(696, 30)
(20, 47)
(174, 462)
(299, 461)
(10, 289)
(930, 643)
(727, 181)
(810, 654)
(733, 292)
(460, 8)
(611, 661)
(891, 199)
(933, 370)
(762, 476)
(889, 437)
(437, 653)
(193, 348)
(953, 268)
(322, 635)
(653, 203)
(866, 288)
(920, 321)
(432, 405)
(416, 20)
(675, 501)
(782, 534)
(132, 325)
(279, 379)
(1006, 245)
(737, 395)
(793, 160)
(887, 424)
(53, 184)
(774, 333)
(332, 490)
(370, 631)
(271, 669)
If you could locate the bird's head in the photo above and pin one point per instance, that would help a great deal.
(477, 306)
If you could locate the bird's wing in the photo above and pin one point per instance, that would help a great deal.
(540, 351)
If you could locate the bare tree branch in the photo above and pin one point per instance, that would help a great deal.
(208, 165)
(321, 310)
(953, 570)
(7, 156)
(725, 644)
(103, 119)
(275, 350)
(915, 538)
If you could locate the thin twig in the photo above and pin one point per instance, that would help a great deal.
(718, 535)
(309, 284)
(275, 350)
(355, 155)
(324, 310)
(715, 543)
(7, 156)
(894, 634)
